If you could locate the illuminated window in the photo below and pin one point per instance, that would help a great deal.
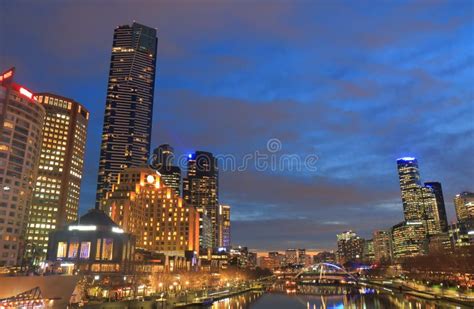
(62, 248)
(85, 249)
(73, 248)
(107, 248)
(97, 250)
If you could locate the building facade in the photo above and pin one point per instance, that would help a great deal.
(464, 205)
(21, 124)
(349, 247)
(56, 194)
(437, 189)
(94, 244)
(201, 189)
(409, 239)
(128, 114)
(141, 205)
(382, 246)
(224, 226)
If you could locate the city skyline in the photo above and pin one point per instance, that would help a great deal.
(318, 107)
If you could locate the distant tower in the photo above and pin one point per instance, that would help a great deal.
(162, 161)
(129, 106)
(200, 189)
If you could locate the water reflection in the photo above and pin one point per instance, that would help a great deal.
(313, 297)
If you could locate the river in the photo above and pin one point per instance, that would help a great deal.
(370, 299)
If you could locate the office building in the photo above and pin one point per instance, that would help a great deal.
(382, 246)
(464, 205)
(200, 189)
(302, 256)
(440, 206)
(409, 239)
(141, 205)
(128, 114)
(349, 247)
(21, 127)
(163, 162)
(461, 234)
(291, 257)
(56, 194)
(409, 177)
(224, 226)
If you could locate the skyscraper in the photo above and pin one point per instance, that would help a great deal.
(56, 195)
(349, 247)
(129, 105)
(163, 162)
(409, 239)
(464, 204)
(440, 206)
(409, 176)
(382, 246)
(21, 130)
(420, 204)
(224, 226)
(200, 189)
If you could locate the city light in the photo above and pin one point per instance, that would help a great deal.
(26, 93)
(82, 228)
(117, 230)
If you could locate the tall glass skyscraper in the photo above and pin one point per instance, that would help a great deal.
(129, 105)
(440, 206)
(409, 176)
(200, 189)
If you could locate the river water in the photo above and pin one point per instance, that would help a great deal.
(371, 299)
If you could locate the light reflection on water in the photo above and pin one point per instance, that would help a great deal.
(376, 300)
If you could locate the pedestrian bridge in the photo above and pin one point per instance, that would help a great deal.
(324, 273)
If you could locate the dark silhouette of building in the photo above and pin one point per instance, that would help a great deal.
(163, 161)
(440, 206)
(200, 189)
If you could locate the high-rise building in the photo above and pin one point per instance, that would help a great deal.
(143, 206)
(291, 256)
(224, 226)
(302, 256)
(409, 176)
(56, 194)
(368, 253)
(464, 204)
(420, 203)
(409, 239)
(349, 247)
(128, 114)
(461, 234)
(163, 162)
(382, 245)
(440, 206)
(21, 130)
(200, 189)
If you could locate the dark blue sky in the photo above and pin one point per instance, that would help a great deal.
(356, 83)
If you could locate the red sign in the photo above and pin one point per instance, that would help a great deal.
(7, 75)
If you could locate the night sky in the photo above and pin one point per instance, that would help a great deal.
(358, 84)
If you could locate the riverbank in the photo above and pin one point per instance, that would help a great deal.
(394, 286)
(186, 300)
